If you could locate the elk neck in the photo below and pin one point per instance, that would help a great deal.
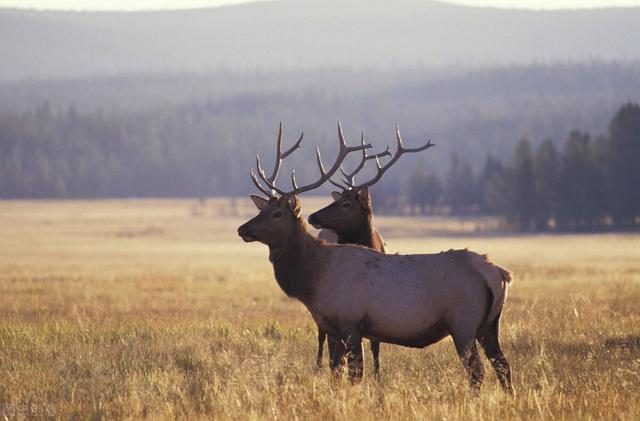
(297, 262)
(362, 235)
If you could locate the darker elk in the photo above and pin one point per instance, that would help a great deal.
(350, 216)
(353, 292)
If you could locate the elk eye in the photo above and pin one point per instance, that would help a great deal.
(346, 205)
(276, 214)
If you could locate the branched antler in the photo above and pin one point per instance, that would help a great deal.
(349, 178)
(381, 169)
(280, 156)
(324, 174)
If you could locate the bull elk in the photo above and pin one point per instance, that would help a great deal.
(336, 351)
(350, 216)
(353, 292)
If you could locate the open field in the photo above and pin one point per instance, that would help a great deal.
(156, 309)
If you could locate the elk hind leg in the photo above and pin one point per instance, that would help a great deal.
(468, 353)
(491, 345)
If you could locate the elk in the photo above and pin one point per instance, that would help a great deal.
(336, 351)
(353, 292)
(350, 216)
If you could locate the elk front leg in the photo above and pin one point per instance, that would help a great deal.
(337, 352)
(375, 351)
(353, 344)
(322, 336)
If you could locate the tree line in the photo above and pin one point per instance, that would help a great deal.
(587, 183)
(204, 146)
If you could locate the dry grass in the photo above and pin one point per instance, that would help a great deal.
(134, 309)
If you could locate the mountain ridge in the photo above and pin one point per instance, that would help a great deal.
(289, 34)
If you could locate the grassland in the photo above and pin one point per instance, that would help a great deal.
(155, 309)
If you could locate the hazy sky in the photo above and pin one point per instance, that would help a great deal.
(183, 4)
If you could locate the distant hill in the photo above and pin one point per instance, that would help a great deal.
(292, 34)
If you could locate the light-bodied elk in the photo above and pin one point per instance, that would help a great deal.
(353, 292)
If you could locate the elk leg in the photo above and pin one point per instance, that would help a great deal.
(322, 336)
(468, 353)
(336, 353)
(354, 347)
(491, 345)
(375, 351)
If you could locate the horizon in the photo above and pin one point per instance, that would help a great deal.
(169, 5)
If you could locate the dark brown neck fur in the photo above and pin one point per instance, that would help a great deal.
(363, 235)
(296, 263)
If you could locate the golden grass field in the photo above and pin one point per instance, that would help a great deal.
(156, 309)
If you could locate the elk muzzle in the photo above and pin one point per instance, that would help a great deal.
(315, 221)
(245, 232)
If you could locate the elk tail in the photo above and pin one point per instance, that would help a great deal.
(496, 280)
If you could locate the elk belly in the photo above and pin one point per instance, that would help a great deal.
(420, 339)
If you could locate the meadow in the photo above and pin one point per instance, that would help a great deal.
(156, 309)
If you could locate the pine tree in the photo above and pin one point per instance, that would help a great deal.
(522, 187)
(492, 187)
(545, 168)
(624, 168)
(577, 207)
(425, 189)
(462, 193)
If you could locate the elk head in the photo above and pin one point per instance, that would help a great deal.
(274, 223)
(348, 211)
(352, 207)
(280, 213)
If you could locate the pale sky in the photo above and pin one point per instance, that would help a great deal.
(189, 4)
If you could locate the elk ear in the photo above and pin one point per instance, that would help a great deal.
(336, 195)
(259, 201)
(294, 205)
(364, 198)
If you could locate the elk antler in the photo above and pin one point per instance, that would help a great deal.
(349, 179)
(381, 169)
(270, 181)
(324, 174)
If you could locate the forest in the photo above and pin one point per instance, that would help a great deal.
(543, 146)
(587, 183)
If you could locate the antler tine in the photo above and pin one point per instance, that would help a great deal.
(326, 175)
(262, 174)
(319, 160)
(400, 150)
(338, 185)
(349, 179)
(347, 183)
(362, 161)
(280, 155)
(341, 135)
(271, 181)
(418, 149)
(294, 147)
(264, 178)
(258, 185)
(278, 161)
